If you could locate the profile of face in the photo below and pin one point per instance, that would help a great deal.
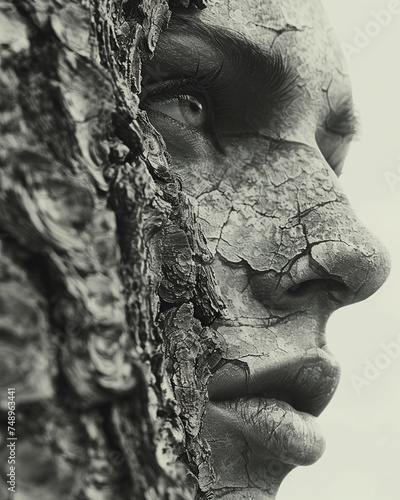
(255, 107)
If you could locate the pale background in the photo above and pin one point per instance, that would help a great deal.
(362, 459)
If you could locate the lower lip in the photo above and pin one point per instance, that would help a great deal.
(271, 426)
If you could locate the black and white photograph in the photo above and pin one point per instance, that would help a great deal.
(199, 249)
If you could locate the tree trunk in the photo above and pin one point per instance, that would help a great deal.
(106, 292)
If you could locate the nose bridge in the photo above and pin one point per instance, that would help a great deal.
(317, 221)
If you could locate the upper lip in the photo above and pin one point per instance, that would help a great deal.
(307, 382)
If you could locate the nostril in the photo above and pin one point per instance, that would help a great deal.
(282, 293)
(323, 290)
(312, 285)
(333, 274)
(331, 285)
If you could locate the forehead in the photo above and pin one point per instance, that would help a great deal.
(299, 30)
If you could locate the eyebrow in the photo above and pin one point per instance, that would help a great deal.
(268, 71)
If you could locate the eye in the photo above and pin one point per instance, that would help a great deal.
(189, 102)
(187, 109)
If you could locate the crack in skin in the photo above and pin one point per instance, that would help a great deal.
(300, 215)
(215, 187)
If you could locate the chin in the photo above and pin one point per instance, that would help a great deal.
(256, 443)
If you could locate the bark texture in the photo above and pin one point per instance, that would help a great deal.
(104, 270)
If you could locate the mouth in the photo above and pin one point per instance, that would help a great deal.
(275, 409)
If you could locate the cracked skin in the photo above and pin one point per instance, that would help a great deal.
(260, 159)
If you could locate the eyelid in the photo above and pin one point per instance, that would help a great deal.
(350, 134)
(204, 82)
(344, 122)
(195, 87)
(186, 109)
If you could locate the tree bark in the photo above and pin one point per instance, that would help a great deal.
(106, 291)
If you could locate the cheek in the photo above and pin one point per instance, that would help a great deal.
(193, 156)
(236, 292)
(250, 206)
(250, 200)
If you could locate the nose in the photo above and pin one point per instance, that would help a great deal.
(336, 259)
(329, 270)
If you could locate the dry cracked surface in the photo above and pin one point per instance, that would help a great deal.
(257, 120)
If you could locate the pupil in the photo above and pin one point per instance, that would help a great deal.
(194, 107)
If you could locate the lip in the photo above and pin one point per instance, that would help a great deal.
(275, 409)
(271, 428)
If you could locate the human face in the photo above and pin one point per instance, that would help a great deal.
(258, 121)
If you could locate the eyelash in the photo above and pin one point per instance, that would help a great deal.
(352, 125)
(219, 92)
(205, 87)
